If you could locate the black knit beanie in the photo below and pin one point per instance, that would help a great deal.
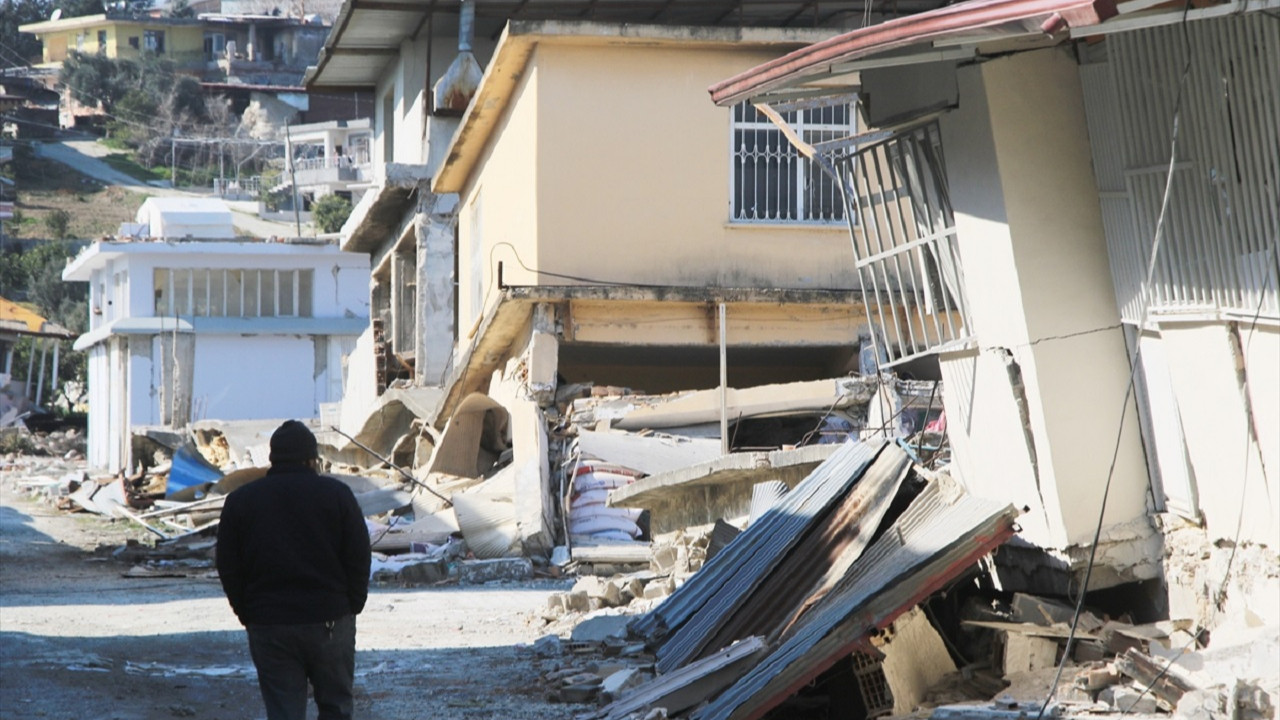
(293, 444)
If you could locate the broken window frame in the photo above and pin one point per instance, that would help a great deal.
(905, 249)
(799, 185)
(906, 232)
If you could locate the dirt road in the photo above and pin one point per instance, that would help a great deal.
(79, 641)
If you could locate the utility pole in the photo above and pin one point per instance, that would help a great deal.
(293, 181)
(173, 159)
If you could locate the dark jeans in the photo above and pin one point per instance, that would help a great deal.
(290, 656)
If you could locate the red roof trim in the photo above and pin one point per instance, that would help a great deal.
(1050, 16)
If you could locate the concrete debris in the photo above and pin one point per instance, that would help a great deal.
(67, 443)
(599, 627)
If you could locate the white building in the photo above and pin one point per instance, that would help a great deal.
(181, 217)
(185, 331)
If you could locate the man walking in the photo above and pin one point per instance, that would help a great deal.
(293, 558)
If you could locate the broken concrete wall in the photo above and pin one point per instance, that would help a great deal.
(534, 495)
(1218, 583)
(437, 298)
(1236, 497)
(915, 659)
(174, 376)
(360, 390)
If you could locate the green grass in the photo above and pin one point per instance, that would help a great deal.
(126, 165)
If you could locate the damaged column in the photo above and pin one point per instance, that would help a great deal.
(434, 226)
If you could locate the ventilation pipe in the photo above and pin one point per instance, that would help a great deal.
(454, 90)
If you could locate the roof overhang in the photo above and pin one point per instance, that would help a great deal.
(98, 255)
(60, 25)
(946, 33)
(367, 34)
(342, 326)
(520, 38)
(379, 214)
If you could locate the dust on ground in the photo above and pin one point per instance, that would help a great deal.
(79, 641)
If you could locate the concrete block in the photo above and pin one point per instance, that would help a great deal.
(1024, 653)
(476, 572)
(665, 558)
(632, 588)
(600, 628)
(616, 682)
(547, 646)
(577, 601)
(431, 571)
(659, 588)
(1128, 700)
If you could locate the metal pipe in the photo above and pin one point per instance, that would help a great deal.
(466, 24)
(724, 384)
(405, 473)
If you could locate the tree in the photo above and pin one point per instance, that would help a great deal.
(330, 212)
(58, 223)
(18, 49)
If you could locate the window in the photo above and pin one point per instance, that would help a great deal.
(772, 182)
(233, 293)
(133, 42)
(215, 46)
(153, 40)
(102, 41)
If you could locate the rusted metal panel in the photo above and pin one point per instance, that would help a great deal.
(828, 548)
(940, 535)
(750, 556)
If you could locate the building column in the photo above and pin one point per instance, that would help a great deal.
(1036, 407)
(437, 294)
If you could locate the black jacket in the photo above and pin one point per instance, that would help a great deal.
(293, 549)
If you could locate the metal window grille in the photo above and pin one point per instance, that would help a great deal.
(873, 685)
(905, 242)
(772, 182)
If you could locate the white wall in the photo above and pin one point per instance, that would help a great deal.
(253, 378)
(1236, 496)
(340, 281)
(99, 397)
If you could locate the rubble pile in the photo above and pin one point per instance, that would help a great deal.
(869, 569)
(67, 443)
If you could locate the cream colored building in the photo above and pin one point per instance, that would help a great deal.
(120, 38)
(599, 199)
(604, 219)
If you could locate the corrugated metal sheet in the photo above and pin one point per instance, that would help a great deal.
(753, 552)
(804, 576)
(929, 546)
(1217, 253)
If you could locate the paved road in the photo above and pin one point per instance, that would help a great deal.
(83, 154)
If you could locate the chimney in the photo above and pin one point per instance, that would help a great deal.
(453, 92)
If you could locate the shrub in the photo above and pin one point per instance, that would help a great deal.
(330, 212)
(58, 223)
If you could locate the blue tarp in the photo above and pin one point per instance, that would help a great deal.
(189, 468)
